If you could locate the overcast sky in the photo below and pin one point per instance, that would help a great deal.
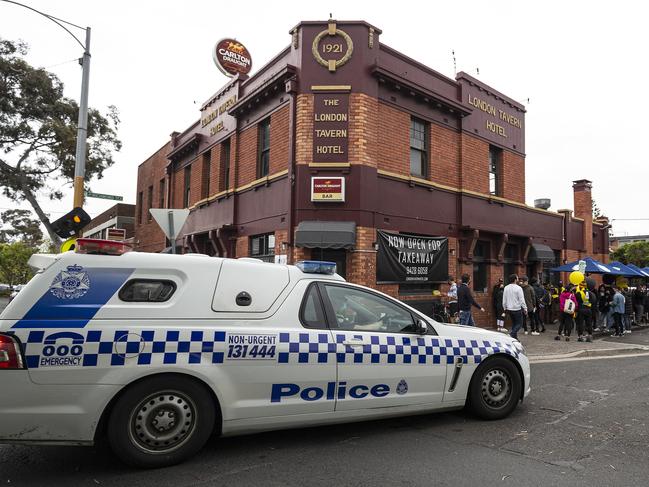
(582, 65)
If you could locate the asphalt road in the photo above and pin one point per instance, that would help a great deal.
(585, 423)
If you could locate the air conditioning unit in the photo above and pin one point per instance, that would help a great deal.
(542, 203)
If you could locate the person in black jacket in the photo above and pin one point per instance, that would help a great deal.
(465, 300)
(540, 293)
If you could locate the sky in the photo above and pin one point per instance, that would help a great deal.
(575, 65)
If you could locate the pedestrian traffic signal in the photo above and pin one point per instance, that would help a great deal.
(71, 223)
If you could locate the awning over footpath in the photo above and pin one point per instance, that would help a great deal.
(540, 253)
(326, 235)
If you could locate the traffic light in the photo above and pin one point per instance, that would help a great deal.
(71, 223)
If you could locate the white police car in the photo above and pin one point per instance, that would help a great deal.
(158, 352)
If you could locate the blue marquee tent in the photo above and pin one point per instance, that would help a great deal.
(593, 266)
(637, 269)
(624, 270)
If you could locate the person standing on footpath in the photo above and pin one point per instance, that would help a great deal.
(465, 300)
(514, 304)
(494, 301)
(452, 298)
(568, 307)
(638, 303)
(585, 298)
(499, 308)
(617, 307)
(540, 293)
(530, 303)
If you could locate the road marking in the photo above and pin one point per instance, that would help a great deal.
(575, 359)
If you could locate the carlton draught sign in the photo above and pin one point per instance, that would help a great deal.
(328, 189)
(232, 57)
(406, 258)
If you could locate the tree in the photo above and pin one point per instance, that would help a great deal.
(17, 225)
(596, 211)
(38, 128)
(635, 253)
(13, 263)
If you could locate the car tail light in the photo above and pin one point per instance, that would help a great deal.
(103, 247)
(10, 354)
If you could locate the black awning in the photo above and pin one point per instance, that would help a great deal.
(326, 235)
(540, 253)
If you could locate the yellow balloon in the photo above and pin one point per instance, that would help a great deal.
(622, 282)
(576, 277)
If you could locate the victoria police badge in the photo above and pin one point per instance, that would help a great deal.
(402, 387)
(71, 283)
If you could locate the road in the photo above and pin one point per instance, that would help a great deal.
(585, 423)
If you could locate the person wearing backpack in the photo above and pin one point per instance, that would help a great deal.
(585, 299)
(568, 307)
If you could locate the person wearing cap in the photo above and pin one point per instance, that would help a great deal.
(530, 302)
(585, 299)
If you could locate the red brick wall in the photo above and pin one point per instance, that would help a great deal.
(393, 142)
(148, 235)
(444, 156)
(241, 248)
(475, 164)
(196, 180)
(247, 161)
(304, 130)
(279, 136)
(513, 176)
(363, 136)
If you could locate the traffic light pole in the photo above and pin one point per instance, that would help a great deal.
(82, 126)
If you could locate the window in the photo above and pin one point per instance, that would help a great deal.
(149, 202)
(224, 179)
(187, 184)
(494, 171)
(161, 196)
(418, 288)
(263, 148)
(480, 267)
(140, 207)
(359, 310)
(263, 247)
(509, 259)
(311, 313)
(147, 291)
(418, 147)
(205, 175)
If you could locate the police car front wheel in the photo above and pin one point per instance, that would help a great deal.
(495, 389)
(161, 421)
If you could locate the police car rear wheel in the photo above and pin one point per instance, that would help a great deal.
(495, 389)
(161, 421)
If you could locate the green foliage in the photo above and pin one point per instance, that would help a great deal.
(635, 253)
(18, 226)
(13, 263)
(38, 130)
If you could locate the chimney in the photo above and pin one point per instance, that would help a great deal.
(584, 210)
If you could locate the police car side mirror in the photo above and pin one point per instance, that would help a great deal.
(421, 327)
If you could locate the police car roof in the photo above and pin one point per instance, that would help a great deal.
(179, 261)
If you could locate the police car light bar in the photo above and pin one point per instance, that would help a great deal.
(316, 267)
(101, 247)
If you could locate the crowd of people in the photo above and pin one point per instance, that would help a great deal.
(530, 305)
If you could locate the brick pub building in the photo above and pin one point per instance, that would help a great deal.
(340, 137)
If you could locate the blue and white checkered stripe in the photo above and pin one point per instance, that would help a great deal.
(317, 348)
(155, 347)
(104, 348)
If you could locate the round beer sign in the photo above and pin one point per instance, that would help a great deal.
(232, 57)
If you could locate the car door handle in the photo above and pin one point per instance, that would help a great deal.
(355, 343)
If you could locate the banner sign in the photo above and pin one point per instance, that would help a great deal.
(404, 258)
(327, 189)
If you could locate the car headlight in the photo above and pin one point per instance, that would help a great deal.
(519, 347)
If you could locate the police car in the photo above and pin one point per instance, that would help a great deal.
(159, 352)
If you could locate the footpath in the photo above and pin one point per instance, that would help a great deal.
(545, 348)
